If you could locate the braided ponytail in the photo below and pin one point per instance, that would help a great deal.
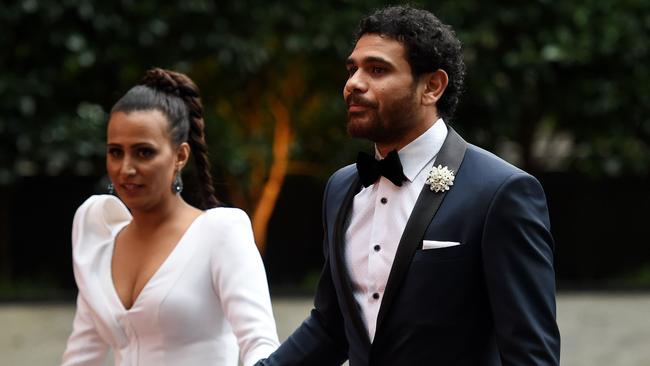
(182, 86)
(196, 139)
(177, 96)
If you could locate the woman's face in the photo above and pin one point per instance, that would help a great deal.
(140, 158)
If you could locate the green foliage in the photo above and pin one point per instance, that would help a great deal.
(539, 72)
(31, 289)
(57, 85)
(572, 68)
(639, 278)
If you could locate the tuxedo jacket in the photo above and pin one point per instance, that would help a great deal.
(488, 301)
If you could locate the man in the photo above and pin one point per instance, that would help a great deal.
(448, 261)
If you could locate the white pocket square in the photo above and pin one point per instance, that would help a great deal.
(435, 244)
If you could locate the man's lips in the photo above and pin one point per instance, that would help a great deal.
(358, 104)
(353, 108)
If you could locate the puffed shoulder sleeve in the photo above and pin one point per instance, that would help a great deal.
(92, 231)
(91, 228)
(95, 219)
(240, 281)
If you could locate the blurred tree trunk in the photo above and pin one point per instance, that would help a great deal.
(277, 172)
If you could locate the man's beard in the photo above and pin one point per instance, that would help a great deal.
(395, 120)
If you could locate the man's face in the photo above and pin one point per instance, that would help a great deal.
(381, 95)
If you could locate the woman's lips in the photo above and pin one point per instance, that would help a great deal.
(131, 188)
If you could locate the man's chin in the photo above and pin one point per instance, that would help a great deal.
(357, 131)
(359, 127)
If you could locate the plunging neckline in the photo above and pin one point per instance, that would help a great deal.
(163, 264)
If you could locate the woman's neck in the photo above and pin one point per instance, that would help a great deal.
(150, 219)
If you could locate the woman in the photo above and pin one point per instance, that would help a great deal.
(162, 282)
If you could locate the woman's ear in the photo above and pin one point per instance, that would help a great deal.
(435, 84)
(182, 155)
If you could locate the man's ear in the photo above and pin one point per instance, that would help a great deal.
(182, 155)
(435, 84)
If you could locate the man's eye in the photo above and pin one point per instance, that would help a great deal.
(378, 70)
(351, 71)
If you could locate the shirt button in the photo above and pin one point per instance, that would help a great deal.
(377, 248)
(375, 296)
(384, 200)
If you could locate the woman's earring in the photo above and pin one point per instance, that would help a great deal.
(111, 188)
(177, 185)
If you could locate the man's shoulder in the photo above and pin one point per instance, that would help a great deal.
(488, 163)
(343, 175)
(340, 182)
(489, 170)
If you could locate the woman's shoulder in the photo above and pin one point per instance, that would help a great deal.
(98, 216)
(102, 202)
(227, 216)
(104, 209)
(227, 226)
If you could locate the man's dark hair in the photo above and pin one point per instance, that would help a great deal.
(430, 45)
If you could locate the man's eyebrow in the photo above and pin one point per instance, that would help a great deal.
(369, 59)
(377, 59)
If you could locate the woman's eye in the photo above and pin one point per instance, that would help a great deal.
(116, 153)
(145, 153)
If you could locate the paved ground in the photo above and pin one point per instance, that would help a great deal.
(597, 329)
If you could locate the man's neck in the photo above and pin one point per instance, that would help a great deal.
(385, 147)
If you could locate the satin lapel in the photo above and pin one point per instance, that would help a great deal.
(451, 155)
(340, 273)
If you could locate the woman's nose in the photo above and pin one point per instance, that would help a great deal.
(128, 166)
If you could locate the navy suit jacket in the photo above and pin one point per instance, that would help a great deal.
(488, 301)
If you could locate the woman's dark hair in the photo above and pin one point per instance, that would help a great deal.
(430, 45)
(177, 97)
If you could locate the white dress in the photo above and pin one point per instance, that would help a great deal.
(207, 304)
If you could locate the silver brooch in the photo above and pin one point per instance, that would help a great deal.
(440, 178)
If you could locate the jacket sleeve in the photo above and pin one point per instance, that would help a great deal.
(85, 346)
(320, 340)
(518, 263)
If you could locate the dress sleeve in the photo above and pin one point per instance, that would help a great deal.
(240, 282)
(85, 346)
(320, 340)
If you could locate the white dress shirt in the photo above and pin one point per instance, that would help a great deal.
(378, 218)
(207, 304)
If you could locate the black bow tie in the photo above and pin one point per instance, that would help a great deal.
(370, 169)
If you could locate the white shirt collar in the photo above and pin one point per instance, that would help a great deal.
(422, 150)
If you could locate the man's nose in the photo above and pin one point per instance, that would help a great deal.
(356, 83)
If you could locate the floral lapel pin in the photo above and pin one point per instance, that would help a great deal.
(440, 179)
